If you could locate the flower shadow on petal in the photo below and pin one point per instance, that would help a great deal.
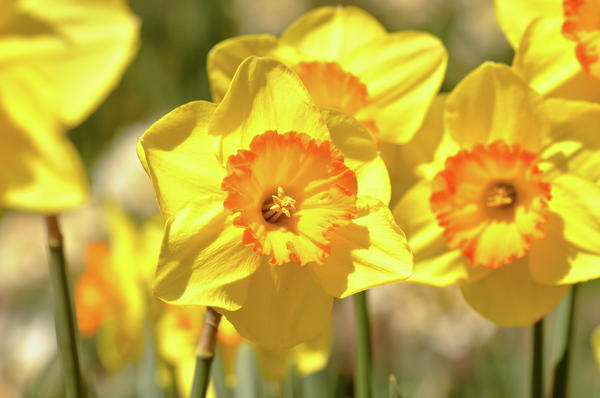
(553, 260)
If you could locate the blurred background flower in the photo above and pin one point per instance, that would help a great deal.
(427, 337)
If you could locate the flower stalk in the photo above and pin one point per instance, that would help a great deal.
(205, 353)
(561, 371)
(537, 353)
(64, 315)
(363, 367)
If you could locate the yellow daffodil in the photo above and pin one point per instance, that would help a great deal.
(503, 207)
(112, 294)
(348, 62)
(58, 60)
(178, 330)
(557, 45)
(273, 207)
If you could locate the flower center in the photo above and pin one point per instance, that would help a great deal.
(501, 194)
(582, 25)
(289, 193)
(277, 205)
(332, 87)
(491, 202)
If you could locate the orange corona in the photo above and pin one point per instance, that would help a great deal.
(491, 202)
(582, 25)
(289, 191)
(332, 87)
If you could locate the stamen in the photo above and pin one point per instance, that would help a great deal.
(501, 194)
(279, 204)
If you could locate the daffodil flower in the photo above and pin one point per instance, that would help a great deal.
(112, 294)
(178, 329)
(506, 202)
(348, 62)
(58, 60)
(557, 45)
(226, 177)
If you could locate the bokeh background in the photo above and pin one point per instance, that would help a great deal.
(433, 343)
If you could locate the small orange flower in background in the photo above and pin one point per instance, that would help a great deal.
(112, 294)
(273, 207)
(349, 62)
(58, 59)
(505, 205)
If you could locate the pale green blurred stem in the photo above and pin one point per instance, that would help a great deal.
(205, 353)
(363, 361)
(537, 368)
(561, 371)
(64, 314)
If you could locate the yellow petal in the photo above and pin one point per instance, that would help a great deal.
(371, 251)
(360, 154)
(423, 156)
(331, 33)
(575, 200)
(546, 60)
(574, 143)
(596, 345)
(284, 307)
(508, 296)
(435, 264)
(179, 157)
(224, 58)
(203, 260)
(71, 53)
(307, 357)
(553, 260)
(403, 73)
(42, 169)
(493, 103)
(264, 95)
(514, 15)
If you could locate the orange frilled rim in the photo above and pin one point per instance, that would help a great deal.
(330, 86)
(491, 202)
(93, 292)
(582, 25)
(290, 192)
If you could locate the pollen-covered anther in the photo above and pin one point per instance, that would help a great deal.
(279, 204)
(501, 195)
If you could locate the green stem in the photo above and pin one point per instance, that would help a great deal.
(64, 317)
(363, 367)
(537, 369)
(561, 371)
(205, 353)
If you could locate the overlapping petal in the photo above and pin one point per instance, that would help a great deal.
(178, 154)
(264, 95)
(330, 33)
(285, 308)
(370, 252)
(202, 259)
(72, 53)
(493, 103)
(224, 58)
(514, 16)
(574, 145)
(509, 296)
(360, 154)
(435, 264)
(42, 171)
(406, 90)
(553, 70)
